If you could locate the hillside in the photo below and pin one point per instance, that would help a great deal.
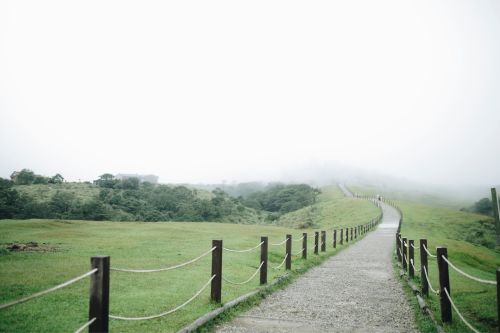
(470, 240)
(331, 208)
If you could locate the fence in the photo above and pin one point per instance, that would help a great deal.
(405, 252)
(100, 273)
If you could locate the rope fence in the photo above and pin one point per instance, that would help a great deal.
(84, 326)
(169, 311)
(100, 273)
(165, 268)
(405, 251)
(281, 243)
(48, 291)
(468, 275)
(242, 251)
(279, 266)
(246, 281)
(458, 312)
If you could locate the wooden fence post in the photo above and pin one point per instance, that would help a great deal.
(263, 259)
(316, 239)
(304, 246)
(444, 283)
(494, 202)
(355, 232)
(347, 235)
(411, 253)
(341, 236)
(323, 241)
(351, 233)
(398, 255)
(423, 265)
(288, 261)
(335, 238)
(404, 252)
(99, 294)
(498, 298)
(216, 287)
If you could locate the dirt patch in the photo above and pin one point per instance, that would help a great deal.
(30, 246)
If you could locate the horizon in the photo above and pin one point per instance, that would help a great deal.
(269, 91)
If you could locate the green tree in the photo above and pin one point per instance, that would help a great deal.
(23, 177)
(56, 179)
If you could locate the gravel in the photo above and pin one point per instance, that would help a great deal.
(354, 291)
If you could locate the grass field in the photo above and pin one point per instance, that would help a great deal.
(470, 241)
(135, 245)
(331, 209)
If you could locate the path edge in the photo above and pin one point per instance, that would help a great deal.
(262, 292)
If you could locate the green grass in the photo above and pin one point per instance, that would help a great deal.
(469, 239)
(331, 210)
(131, 245)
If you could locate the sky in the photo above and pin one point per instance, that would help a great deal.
(206, 91)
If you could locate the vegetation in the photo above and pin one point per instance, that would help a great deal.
(129, 199)
(470, 239)
(331, 207)
(131, 245)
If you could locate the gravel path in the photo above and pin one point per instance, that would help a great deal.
(354, 291)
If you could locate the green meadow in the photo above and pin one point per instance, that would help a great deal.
(470, 240)
(141, 245)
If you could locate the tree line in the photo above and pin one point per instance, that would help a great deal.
(129, 199)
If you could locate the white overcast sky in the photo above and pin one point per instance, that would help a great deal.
(201, 91)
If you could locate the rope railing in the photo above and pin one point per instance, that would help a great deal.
(412, 265)
(84, 326)
(44, 292)
(246, 281)
(279, 266)
(241, 251)
(429, 282)
(165, 268)
(299, 252)
(415, 248)
(281, 243)
(298, 240)
(169, 311)
(458, 312)
(468, 275)
(428, 253)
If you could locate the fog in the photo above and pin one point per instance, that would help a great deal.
(212, 91)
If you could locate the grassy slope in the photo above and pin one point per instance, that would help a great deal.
(462, 233)
(413, 196)
(332, 209)
(131, 245)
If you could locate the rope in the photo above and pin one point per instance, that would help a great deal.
(412, 265)
(416, 248)
(167, 312)
(404, 243)
(244, 282)
(87, 324)
(468, 275)
(301, 250)
(297, 240)
(279, 266)
(459, 314)
(41, 293)
(277, 244)
(429, 282)
(240, 251)
(162, 269)
(425, 248)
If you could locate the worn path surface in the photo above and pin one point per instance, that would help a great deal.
(354, 291)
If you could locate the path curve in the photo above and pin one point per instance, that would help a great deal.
(353, 291)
